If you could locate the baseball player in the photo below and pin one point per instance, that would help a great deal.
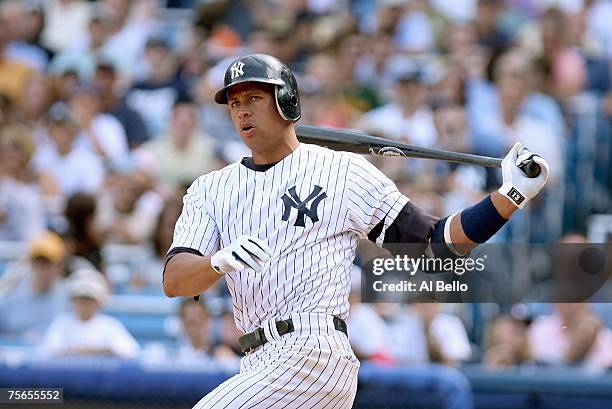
(282, 227)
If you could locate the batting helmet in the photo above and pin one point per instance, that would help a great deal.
(269, 70)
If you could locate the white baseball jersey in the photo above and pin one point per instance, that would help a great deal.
(311, 208)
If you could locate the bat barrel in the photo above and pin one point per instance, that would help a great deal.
(337, 139)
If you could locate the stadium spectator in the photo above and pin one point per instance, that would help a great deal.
(14, 75)
(147, 273)
(133, 23)
(128, 208)
(573, 335)
(599, 13)
(100, 132)
(14, 14)
(83, 240)
(83, 54)
(429, 335)
(106, 81)
(367, 336)
(155, 95)
(197, 341)
(415, 29)
(408, 118)
(65, 22)
(21, 210)
(183, 153)
(423, 334)
(85, 330)
(487, 21)
(228, 333)
(62, 167)
(511, 110)
(36, 100)
(506, 342)
(18, 144)
(32, 291)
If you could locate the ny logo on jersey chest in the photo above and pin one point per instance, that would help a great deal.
(291, 200)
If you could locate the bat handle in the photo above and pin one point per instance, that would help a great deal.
(530, 168)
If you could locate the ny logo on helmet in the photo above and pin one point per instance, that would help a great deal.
(236, 69)
(292, 200)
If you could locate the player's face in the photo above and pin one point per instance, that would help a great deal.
(253, 111)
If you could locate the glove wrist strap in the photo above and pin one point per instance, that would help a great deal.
(214, 262)
(514, 194)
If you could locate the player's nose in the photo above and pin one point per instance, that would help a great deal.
(244, 113)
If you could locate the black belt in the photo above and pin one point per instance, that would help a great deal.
(252, 340)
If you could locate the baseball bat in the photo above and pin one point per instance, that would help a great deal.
(343, 140)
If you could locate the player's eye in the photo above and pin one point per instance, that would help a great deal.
(234, 103)
(255, 98)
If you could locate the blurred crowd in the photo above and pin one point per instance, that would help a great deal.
(106, 116)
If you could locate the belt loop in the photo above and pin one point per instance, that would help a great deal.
(269, 327)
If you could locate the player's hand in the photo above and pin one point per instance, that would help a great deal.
(245, 252)
(517, 186)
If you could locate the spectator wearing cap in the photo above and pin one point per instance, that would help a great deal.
(63, 168)
(183, 153)
(85, 330)
(32, 291)
(105, 80)
(21, 211)
(155, 95)
(101, 133)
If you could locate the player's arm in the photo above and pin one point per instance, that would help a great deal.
(458, 234)
(188, 273)
(463, 231)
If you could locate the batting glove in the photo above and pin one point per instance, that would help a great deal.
(517, 186)
(245, 252)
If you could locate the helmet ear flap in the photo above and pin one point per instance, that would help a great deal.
(287, 98)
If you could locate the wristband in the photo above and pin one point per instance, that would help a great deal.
(481, 221)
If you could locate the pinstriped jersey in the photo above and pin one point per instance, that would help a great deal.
(311, 208)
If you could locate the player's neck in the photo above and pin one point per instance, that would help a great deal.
(277, 152)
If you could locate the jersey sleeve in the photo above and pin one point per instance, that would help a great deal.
(373, 200)
(195, 229)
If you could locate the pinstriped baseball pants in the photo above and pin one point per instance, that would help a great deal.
(312, 367)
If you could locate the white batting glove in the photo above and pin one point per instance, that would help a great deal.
(517, 186)
(245, 252)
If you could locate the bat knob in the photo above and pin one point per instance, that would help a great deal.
(530, 168)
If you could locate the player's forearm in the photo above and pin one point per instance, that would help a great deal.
(188, 275)
(463, 244)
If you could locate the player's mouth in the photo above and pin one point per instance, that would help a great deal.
(247, 130)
